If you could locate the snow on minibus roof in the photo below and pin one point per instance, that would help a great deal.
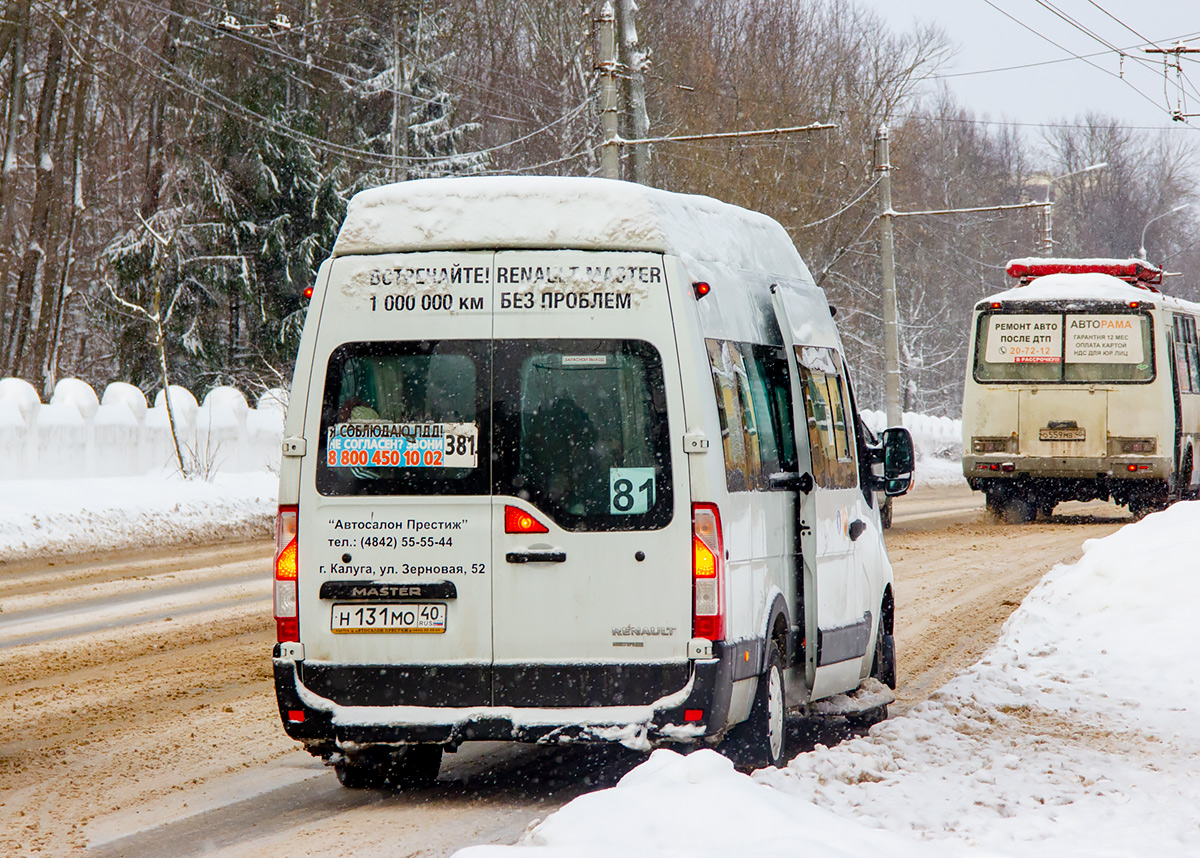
(550, 212)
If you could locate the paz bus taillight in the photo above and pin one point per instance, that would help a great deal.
(287, 601)
(708, 573)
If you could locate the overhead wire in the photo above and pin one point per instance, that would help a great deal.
(1145, 62)
(1067, 50)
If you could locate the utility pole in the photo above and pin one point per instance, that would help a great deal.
(1048, 224)
(610, 156)
(399, 147)
(635, 120)
(887, 258)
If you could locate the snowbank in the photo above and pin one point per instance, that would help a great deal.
(77, 434)
(938, 443)
(39, 519)
(1076, 735)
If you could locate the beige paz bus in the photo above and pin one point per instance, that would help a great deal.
(1083, 383)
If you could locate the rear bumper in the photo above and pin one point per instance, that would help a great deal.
(704, 687)
(1050, 480)
(1116, 468)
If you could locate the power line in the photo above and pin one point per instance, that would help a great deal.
(1046, 38)
(1094, 35)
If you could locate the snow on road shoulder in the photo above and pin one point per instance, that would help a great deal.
(1076, 735)
(54, 517)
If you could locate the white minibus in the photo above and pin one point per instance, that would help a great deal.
(572, 460)
(1083, 383)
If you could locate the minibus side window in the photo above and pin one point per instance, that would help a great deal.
(753, 397)
(1183, 376)
(772, 397)
(779, 391)
(1193, 358)
(825, 408)
(726, 362)
(861, 434)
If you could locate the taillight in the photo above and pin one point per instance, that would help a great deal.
(708, 573)
(287, 619)
(518, 521)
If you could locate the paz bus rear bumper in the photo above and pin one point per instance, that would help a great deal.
(1064, 478)
(697, 709)
(1010, 467)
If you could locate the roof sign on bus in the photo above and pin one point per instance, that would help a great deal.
(1136, 272)
(1013, 338)
(1104, 339)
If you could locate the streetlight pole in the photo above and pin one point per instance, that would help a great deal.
(1142, 244)
(1048, 209)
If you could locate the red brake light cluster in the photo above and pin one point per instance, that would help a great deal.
(287, 598)
(518, 521)
(708, 573)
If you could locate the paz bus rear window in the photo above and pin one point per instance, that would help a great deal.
(1068, 348)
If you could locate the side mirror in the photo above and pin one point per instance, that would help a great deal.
(898, 461)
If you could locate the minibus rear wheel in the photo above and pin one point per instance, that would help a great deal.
(884, 666)
(761, 740)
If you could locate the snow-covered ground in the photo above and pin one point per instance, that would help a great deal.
(50, 516)
(1078, 734)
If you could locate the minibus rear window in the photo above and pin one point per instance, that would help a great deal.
(406, 418)
(581, 432)
(1071, 348)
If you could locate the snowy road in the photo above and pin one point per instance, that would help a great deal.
(143, 722)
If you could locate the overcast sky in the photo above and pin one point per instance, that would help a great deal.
(1063, 87)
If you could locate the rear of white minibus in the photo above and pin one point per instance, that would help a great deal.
(488, 534)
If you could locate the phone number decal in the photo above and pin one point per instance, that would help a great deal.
(402, 445)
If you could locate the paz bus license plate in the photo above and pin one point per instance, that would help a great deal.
(1061, 435)
(360, 618)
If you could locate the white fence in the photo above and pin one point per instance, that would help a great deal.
(77, 434)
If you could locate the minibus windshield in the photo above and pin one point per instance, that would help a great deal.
(1103, 347)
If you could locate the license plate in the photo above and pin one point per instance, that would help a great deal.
(357, 618)
(1061, 434)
